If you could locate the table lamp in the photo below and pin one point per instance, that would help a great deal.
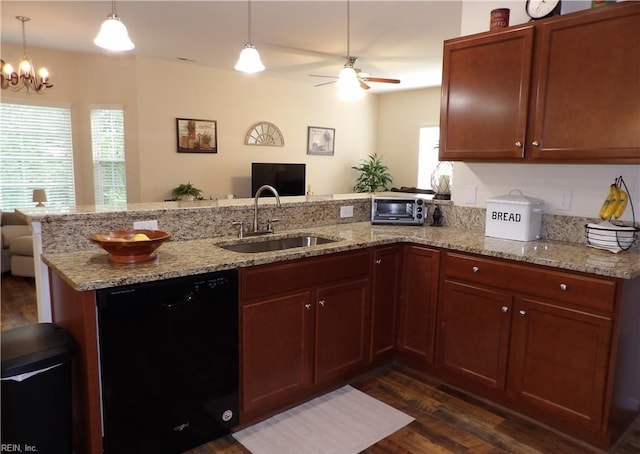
(39, 196)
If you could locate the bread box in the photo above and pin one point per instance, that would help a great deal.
(514, 217)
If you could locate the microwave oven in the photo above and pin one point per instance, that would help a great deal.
(398, 210)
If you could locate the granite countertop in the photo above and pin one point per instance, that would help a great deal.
(90, 269)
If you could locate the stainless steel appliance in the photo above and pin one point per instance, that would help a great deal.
(169, 362)
(408, 210)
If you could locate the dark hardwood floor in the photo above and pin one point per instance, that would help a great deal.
(446, 420)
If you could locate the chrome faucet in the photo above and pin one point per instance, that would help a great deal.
(260, 190)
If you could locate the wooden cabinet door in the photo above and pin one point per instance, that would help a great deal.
(560, 360)
(420, 268)
(384, 319)
(473, 336)
(275, 350)
(342, 330)
(485, 96)
(587, 99)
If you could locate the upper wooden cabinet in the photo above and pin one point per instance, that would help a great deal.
(565, 89)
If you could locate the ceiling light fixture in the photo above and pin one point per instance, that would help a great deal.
(25, 77)
(249, 60)
(113, 34)
(349, 88)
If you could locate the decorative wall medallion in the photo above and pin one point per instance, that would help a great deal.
(265, 134)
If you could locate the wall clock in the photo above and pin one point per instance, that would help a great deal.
(264, 133)
(539, 9)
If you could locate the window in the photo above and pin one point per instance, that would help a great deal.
(427, 155)
(35, 152)
(107, 138)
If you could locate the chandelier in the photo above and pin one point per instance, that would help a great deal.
(25, 77)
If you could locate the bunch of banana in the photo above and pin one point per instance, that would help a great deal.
(616, 201)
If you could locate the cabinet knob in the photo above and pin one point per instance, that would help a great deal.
(522, 313)
(307, 306)
(504, 309)
(378, 262)
(321, 303)
(563, 287)
(535, 143)
(475, 269)
(519, 144)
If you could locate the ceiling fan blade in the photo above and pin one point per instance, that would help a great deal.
(381, 79)
(363, 85)
(318, 75)
(325, 83)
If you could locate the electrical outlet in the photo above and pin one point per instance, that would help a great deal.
(346, 211)
(564, 200)
(146, 225)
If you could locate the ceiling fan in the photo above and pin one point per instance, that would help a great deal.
(362, 77)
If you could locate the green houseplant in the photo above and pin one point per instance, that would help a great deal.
(186, 191)
(373, 175)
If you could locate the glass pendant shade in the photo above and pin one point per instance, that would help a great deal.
(442, 180)
(249, 60)
(348, 85)
(113, 35)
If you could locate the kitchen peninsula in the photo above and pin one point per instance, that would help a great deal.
(554, 299)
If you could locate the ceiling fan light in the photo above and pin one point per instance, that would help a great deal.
(348, 85)
(113, 35)
(249, 60)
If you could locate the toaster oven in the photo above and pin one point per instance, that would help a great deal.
(406, 210)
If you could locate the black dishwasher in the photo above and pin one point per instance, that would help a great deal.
(169, 362)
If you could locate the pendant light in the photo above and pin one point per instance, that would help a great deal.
(25, 77)
(349, 88)
(113, 34)
(249, 60)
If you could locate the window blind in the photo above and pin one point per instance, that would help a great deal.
(107, 137)
(35, 152)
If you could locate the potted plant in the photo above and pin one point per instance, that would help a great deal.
(373, 175)
(186, 192)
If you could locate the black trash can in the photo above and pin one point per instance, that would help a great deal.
(36, 389)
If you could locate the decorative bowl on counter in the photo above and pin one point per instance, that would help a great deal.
(130, 246)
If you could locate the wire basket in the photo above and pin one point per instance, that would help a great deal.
(614, 238)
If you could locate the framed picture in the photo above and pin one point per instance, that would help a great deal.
(321, 141)
(196, 136)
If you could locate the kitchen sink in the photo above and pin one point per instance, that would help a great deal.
(277, 244)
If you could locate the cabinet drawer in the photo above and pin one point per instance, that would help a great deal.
(587, 291)
(285, 277)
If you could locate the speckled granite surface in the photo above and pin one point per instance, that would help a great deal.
(90, 269)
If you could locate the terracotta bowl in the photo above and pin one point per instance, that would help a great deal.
(123, 248)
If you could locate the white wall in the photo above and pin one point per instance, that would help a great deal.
(400, 117)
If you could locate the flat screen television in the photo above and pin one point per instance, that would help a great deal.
(288, 179)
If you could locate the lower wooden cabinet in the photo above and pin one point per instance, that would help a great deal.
(560, 359)
(538, 339)
(474, 328)
(385, 299)
(419, 291)
(303, 337)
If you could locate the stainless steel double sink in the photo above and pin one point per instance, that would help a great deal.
(270, 244)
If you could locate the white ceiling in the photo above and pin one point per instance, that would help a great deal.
(396, 39)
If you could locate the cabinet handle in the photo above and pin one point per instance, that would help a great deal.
(535, 143)
(519, 144)
(522, 313)
(563, 287)
(321, 303)
(307, 306)
(475, 269)
(378, 262)
(504, 309)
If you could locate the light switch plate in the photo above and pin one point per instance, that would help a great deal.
(346, 211)
(146, 225)
(470, 194)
